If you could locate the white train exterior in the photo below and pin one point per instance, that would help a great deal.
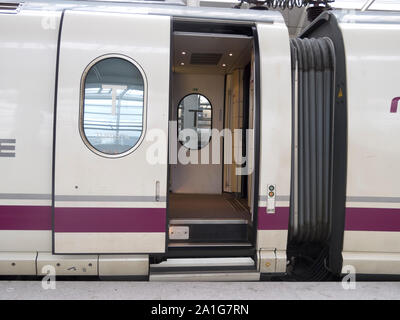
(70, 207)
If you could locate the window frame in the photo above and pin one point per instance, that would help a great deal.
(177, 118)
(82, 106)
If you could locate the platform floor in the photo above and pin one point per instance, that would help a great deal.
(206, 206)
(10, 290)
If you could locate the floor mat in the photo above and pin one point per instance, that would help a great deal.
(206, 206)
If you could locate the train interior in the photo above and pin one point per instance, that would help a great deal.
(211, 185)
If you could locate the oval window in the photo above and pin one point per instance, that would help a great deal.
(113, 105)
(194, 121)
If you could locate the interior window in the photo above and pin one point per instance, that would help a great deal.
(112, 115)
(194, 121)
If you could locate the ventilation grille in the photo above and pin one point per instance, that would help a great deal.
(205, 58)
(9, 7)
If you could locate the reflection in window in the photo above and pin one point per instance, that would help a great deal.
(113, 106)
(194, 121)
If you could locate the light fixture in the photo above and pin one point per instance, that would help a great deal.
(182, 63)
(230, 54)
(224, 65)
(183, 52)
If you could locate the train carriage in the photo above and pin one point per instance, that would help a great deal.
(166, 142)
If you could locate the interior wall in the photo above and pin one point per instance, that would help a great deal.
(198, 178)
(233, 121)
(234, 113)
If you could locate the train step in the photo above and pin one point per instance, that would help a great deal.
(207, 276)
(205, 269)
(210, 250)
(208, 230)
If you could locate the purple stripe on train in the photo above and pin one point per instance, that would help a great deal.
(394, 105)
(83, 219)
(277, 221)
(372, 219)
(153, 219)
(25, 218)
(361, 219)
(110, 220)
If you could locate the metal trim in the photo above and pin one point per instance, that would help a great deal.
(209, 244)
(98, 198)
(80, 198)
(207, 276)
(373, 199)
(24, 196)
(204, 262)
(263, 197)
(176, 11)
(367, 17)
(95, 198)
(205, 221)
(209, 35)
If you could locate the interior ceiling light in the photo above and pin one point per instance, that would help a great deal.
(183, 52)
(182, 63)
(231, 54)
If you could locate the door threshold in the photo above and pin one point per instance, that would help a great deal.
(210, 250)
(228, 264)
(206, 221)
(209, 244)
(205, 262)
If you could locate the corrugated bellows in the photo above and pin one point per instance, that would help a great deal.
(313, 64)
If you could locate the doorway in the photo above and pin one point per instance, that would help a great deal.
(210, 184)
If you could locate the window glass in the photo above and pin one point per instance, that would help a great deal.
(194, 121)
(113, 106)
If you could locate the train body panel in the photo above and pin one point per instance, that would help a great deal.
(373, 193)
(100, 199)
(275, 119)
(27, 58)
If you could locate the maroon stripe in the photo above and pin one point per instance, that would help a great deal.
(372, 219)
(153, 219)
(277, 221)
(25, 218)
(394, 105)
(110, 220)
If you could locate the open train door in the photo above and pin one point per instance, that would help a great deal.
(111, 124)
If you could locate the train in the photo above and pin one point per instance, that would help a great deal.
(165, 142)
